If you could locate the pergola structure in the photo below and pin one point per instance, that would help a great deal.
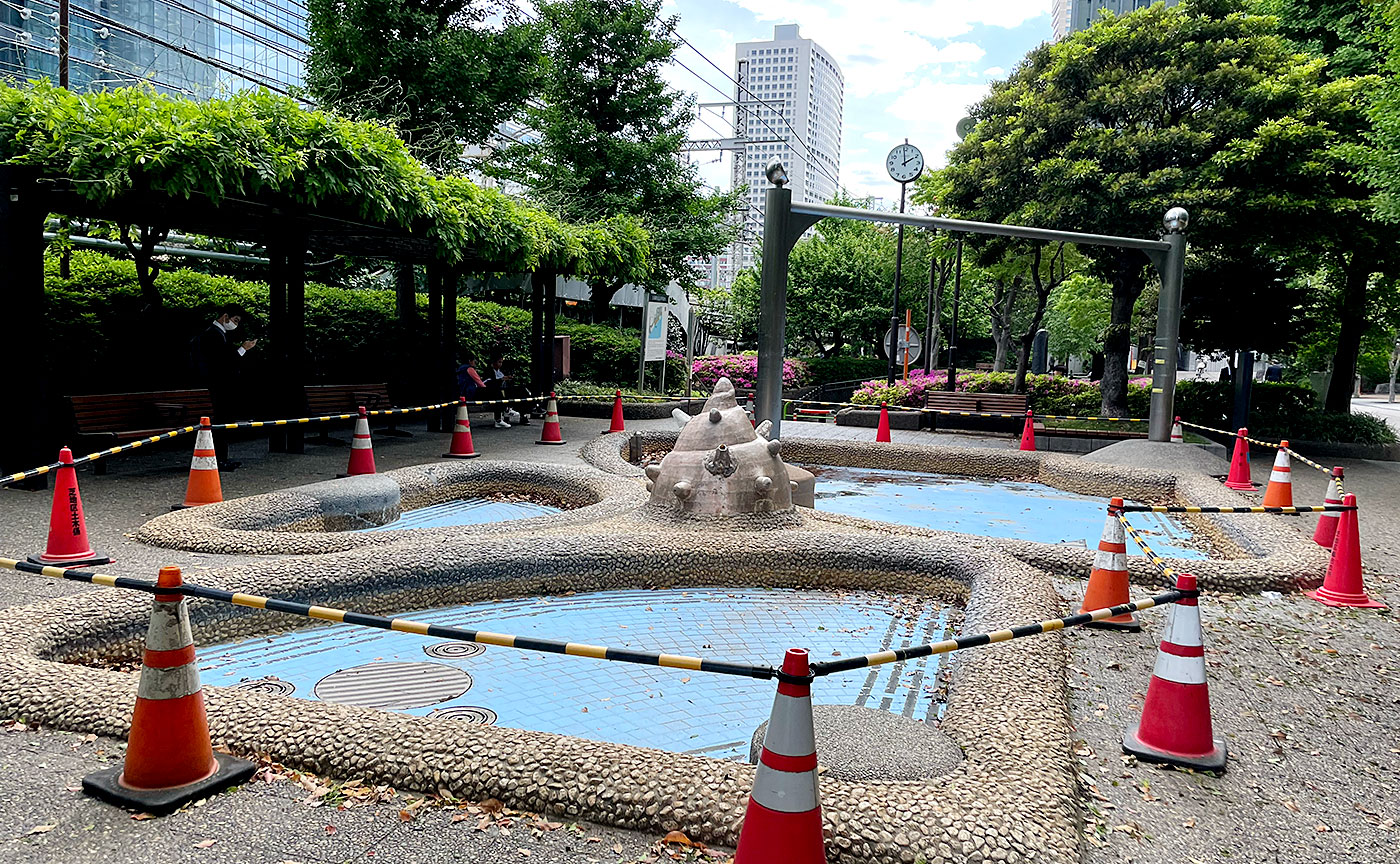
(784, 222)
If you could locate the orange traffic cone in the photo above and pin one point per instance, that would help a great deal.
(617, 424)
(204, 487)
(169, 760)
(1028, 433)
(1175, 727)
(461, 447)
(68, 544)
(1327, 522)
(1279, 492)
(751, 411)
(882, 432)
(1176, 432)
(361, 447)
(1239, 463)
(551, 433)
(1108, 581)
(784, 820)
(1344, 585)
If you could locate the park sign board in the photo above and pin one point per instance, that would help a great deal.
(656, 329)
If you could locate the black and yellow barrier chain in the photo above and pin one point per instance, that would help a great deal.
(1164, 508)
(1276, 445)
(99, 454)
(1090, 417)
(1306, 461)
(959, 643)
(1157, 561)
(801, 403)
(405, 625)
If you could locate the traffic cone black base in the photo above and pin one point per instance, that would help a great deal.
(95, 561)
(107, 785)
(1213, 761)
(1134, 627)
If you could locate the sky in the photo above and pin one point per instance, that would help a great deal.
(911, 68)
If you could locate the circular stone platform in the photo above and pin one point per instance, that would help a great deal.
(856, 743)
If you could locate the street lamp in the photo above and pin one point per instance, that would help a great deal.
(1176, 220)
(776, 173)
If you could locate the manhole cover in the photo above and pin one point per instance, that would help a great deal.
(394, 686)
(270, 685)
(453, 650)
(466, 713)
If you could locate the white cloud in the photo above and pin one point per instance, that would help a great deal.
(879, 137)
(993, 72)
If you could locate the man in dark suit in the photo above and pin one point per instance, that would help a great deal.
(218, 358)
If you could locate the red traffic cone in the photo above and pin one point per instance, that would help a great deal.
(1327, 522)
(203, 486)
(1108, 582)
(784, 820)
(751, 411)
(1239, 463)
(361, 447)
(1028, 433)
(551, 433)
(1175, 727)
(617, 424)
(1344, 585)
(1176, 432)
(1279, 492)
(68, 544)
(882, 432)
(461, 447)
(169, 760)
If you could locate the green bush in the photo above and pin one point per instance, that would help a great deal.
(824, 370)
(601, 354)
(1277, 410)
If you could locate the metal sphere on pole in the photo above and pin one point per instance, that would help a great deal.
(1171, 265)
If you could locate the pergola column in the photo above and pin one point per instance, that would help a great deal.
(434, 343)
(25, 436)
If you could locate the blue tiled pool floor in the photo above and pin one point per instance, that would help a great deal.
(465, 511)
(991, 508)
(670, 709)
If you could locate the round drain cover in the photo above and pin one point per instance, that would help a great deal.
(394, 685)
(453, 650)
(270, 685)
(466, 713)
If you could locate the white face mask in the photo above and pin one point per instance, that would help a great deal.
(230, 326)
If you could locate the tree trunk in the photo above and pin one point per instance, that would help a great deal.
(1001, 322)
(1352, 315)
(1127, 286)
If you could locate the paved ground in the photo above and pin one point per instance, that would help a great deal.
(1380, 407)
(1307, 698)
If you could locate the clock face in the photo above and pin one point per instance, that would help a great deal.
(905, 162)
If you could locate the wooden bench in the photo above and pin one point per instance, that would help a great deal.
(322, 399)
(991, 403)
(107, 419)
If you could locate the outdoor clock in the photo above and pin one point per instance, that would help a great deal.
(905, 162)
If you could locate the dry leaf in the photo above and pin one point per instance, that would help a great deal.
(491, 805)
(677, 837)
(142, 817)
(41, 829)
(406, 815)
(205, 844)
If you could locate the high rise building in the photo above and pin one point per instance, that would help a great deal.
(1071, 16)
(791, 96)
(197, 48)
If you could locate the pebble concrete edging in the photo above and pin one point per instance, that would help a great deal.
(1263, 552)
(1012, 798)
(315, 519)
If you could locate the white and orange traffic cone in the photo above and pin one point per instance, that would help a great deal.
(1028, 433)
(1108, 581)
(1279, 492)
(169, 760)
(1239, 463)
(1345, 584)
(203, 487)
(1175, 727)
(784, 820)
(617, 423)
(361, 447)
(68, 544)
(1176, 432)
(551, 433)
(461, 447)
(882, 431)
(1326, 528)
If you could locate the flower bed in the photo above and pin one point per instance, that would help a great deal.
(1049, 394)
(742, 370)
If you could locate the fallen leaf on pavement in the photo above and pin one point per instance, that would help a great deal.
(142, 817)
(41, 829)
(677, 837)
(205, 844)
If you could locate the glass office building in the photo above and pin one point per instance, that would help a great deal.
(1071, 16)
(197, 48)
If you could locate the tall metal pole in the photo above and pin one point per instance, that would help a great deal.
(1171, 265)
(63, 43)
(898, 270)
(929, 359)
(772, 306)
(952, 383)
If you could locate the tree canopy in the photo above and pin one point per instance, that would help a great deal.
(266, 147)
(437, 69)
(1201, 105)
(608, 131)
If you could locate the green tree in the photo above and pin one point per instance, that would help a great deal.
(1200, 105)
(609, 131)
(435, 68)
